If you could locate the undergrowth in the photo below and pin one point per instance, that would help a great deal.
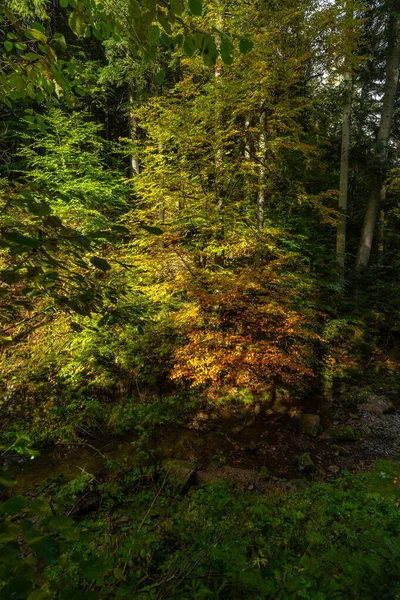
(146, 541)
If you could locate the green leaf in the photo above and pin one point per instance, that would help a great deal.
(196, 7)
(41, 594)
(60, 39)
(46, 549)
(8, 45)
(53, 221)
(14, 505)
(210, 52)
(8, 531)
(177, 6)
(40, 507)
(245, 45)
(160, 76)
(60, 523)
(119, 574)
(22, 240)
(6, 478)
(189, 45)
(64, 3)
(10, 277)
(120, 229)
(94, 568)
(226, 50)
(100, 263)
(77, 23)
(153, 230)
(36, 34)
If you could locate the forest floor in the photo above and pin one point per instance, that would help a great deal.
(257, 447)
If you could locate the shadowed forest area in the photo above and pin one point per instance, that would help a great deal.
(199, 299)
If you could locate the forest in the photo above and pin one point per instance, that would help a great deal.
(199, 299)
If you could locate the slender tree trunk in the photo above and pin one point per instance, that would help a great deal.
(133, 130)
(389, 96)
(262, 173)
(344, 173)
(219, 259)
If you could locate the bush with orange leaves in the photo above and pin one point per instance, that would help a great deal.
(241, 329)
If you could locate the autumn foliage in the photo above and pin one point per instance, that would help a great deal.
(240, 330)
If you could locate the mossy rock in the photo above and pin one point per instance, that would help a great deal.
(306, 463)
(310, 424)
(346, 433)
(180, 473)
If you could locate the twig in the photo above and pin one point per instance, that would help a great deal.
(78, 502)
(82, 444)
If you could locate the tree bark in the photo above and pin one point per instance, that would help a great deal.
(262, 173)
(382, 142)
(133, 129)
(344, 173)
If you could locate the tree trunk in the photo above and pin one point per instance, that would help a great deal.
(133, 127)
(261, 173)
(344, 173)
(382, 142)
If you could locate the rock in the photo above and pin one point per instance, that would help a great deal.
(297, 486)
(339, 450)
(363, 432)
(305, 463)
(367, 401)
(310, 424)
(343, 434)
(251, 446)
(202, 416)
(180, 473)
(239, 428)
(377, 405)
(13, 458)
(264, 473)
(334, 469)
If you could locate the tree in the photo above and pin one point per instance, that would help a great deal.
(382, 140)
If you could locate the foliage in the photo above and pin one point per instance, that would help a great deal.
(335, 540)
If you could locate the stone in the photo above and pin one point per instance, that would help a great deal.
(306, 463)
(367, 401)
(180, 473)
(334, 469)
(297, 486)
(348, 434)
(343, 434)
(251, 446)
(377, 405)
(339, 450)
(264, 473)
(310, 424)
